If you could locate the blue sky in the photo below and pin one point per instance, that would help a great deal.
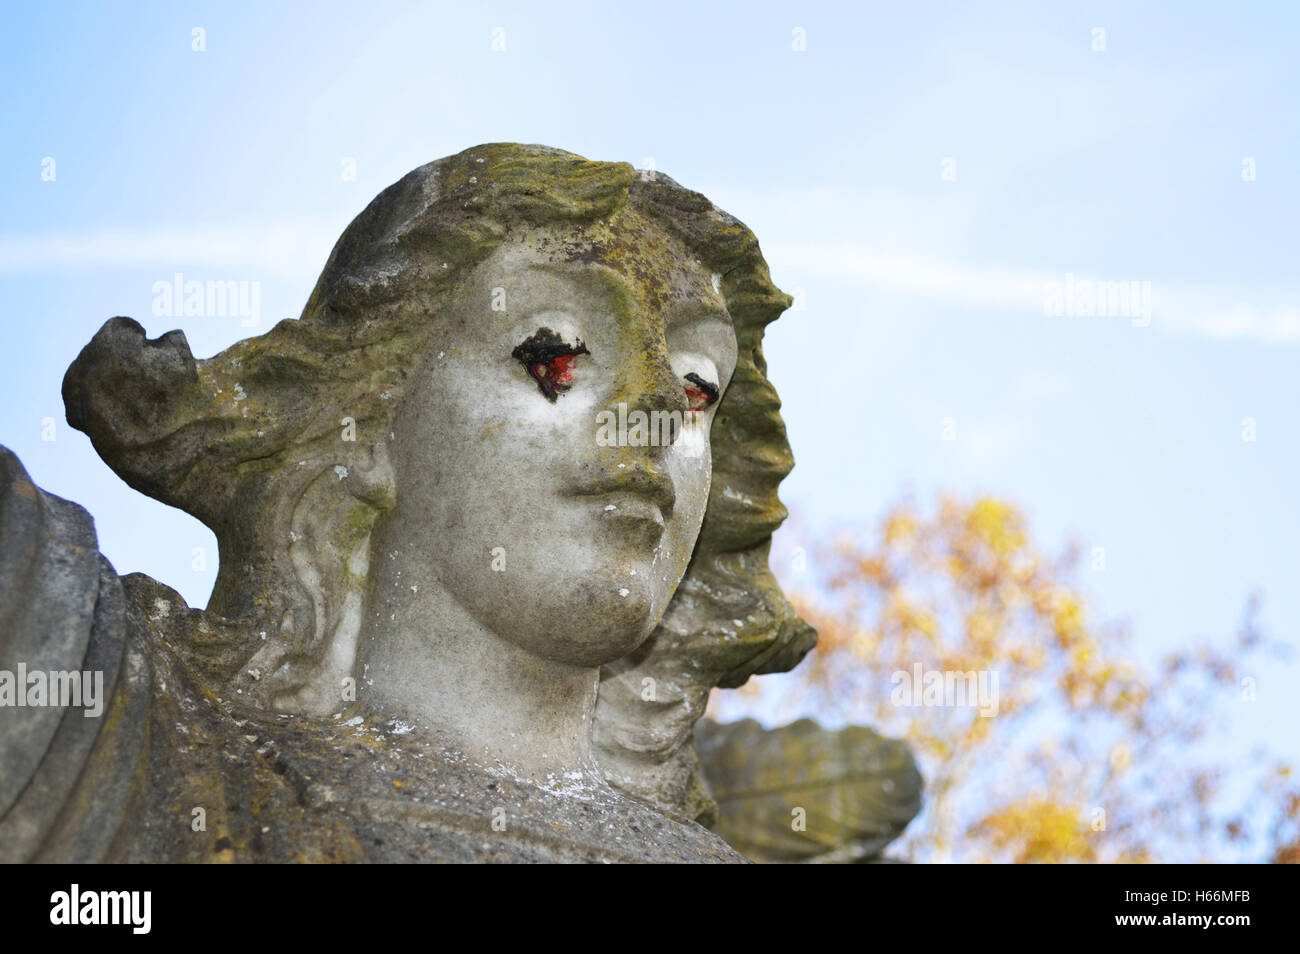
(921, 293)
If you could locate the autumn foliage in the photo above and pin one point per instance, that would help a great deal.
(1091, 756)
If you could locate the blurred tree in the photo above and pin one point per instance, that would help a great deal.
(1049, 743)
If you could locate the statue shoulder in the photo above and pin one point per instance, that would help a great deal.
(74, 693)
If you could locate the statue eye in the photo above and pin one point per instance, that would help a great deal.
(548, 358)
(699, 392)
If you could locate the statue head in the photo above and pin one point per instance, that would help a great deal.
(526, 384)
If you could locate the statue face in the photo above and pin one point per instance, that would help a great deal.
(551, 457)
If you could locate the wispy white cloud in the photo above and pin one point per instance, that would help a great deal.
(291, 249)
(1262, 314)
(298, 249)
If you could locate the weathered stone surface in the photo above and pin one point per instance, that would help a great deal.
(275, 787)
(61, 609)
(444, 601)
(854, 790)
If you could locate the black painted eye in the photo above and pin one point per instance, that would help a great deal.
(549, 359)
(699, 392)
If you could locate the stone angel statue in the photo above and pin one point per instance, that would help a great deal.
(493, 515)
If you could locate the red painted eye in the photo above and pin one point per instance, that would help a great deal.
(558, 372)
(561, 369)
(549, 360)
(699, 392)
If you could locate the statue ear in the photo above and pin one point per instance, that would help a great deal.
(330, 556)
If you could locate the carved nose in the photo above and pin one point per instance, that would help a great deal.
(659, 394)
(650, 481)
(657, 388)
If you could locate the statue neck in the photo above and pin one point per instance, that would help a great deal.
(424, 659)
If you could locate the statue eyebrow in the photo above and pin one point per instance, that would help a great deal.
(607, 276)
(619, 284)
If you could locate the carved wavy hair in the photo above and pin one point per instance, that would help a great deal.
(248, 441)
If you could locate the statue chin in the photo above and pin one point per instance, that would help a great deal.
(589, 628)
(585, 611)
